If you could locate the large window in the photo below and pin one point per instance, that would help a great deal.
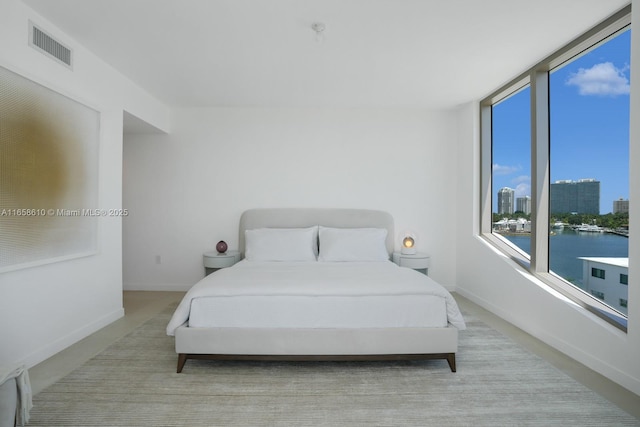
(511, 168)
(555, 166)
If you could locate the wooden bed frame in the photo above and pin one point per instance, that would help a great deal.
(316, 344)
(450, 358)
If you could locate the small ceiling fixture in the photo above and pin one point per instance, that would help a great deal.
(318, 27)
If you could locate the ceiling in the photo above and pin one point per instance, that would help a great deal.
(373, 53)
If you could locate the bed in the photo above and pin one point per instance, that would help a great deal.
(316, 284)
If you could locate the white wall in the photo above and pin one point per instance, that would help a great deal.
(494, 282)
(185, 191)
(46, 308)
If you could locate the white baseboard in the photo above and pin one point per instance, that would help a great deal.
(57, 346)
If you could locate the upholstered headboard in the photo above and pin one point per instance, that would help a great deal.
(308, 217)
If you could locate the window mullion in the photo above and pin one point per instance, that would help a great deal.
(540, 171)
(486, 170)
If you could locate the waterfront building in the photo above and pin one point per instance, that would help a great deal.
(506, 200)
(582, 196)
(607, 279)
(520, 225)
(523, 204)
(621, 206)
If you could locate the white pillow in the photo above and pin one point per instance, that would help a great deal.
(281, 244)
(353, 244)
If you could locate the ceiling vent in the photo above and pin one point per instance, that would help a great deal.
(48, 45)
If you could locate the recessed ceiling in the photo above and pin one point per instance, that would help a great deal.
(374, 53)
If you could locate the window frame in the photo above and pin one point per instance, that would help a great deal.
(537, 78)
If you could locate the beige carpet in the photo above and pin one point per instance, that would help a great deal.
(133, 383)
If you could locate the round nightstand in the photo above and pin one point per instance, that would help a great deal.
(419, 261)
(213, 261)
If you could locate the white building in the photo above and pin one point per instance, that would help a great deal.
(520, 225)
(506, 200)
(621, 206)
(523, 204)
(607, 279)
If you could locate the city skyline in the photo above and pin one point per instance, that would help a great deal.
(589, 125)
(523, 204)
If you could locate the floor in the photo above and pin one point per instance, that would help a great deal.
(139, 306)
(142, 305)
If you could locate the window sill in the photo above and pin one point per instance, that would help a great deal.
(557, 284)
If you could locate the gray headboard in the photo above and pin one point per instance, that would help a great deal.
(308, 217)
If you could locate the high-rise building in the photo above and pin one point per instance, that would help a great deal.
(506, 200)
(523, 204)
(621, 206)
(582, 196)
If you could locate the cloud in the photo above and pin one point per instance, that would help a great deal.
(504, 170)
(603, 79)
(522, 179)
(523, 185)
(523, 189)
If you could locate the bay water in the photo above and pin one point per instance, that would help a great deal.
(567, 245)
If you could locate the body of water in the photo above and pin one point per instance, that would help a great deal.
(567, 245)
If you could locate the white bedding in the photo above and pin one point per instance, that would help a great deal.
(317, 294)
(304, 312)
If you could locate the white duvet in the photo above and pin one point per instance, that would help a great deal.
(263, 279)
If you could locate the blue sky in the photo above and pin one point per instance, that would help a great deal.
(589, 105)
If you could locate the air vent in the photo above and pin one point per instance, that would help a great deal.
(47, 44)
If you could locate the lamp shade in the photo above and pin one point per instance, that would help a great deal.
(408, 244)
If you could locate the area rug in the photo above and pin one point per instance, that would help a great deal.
(498, 383)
